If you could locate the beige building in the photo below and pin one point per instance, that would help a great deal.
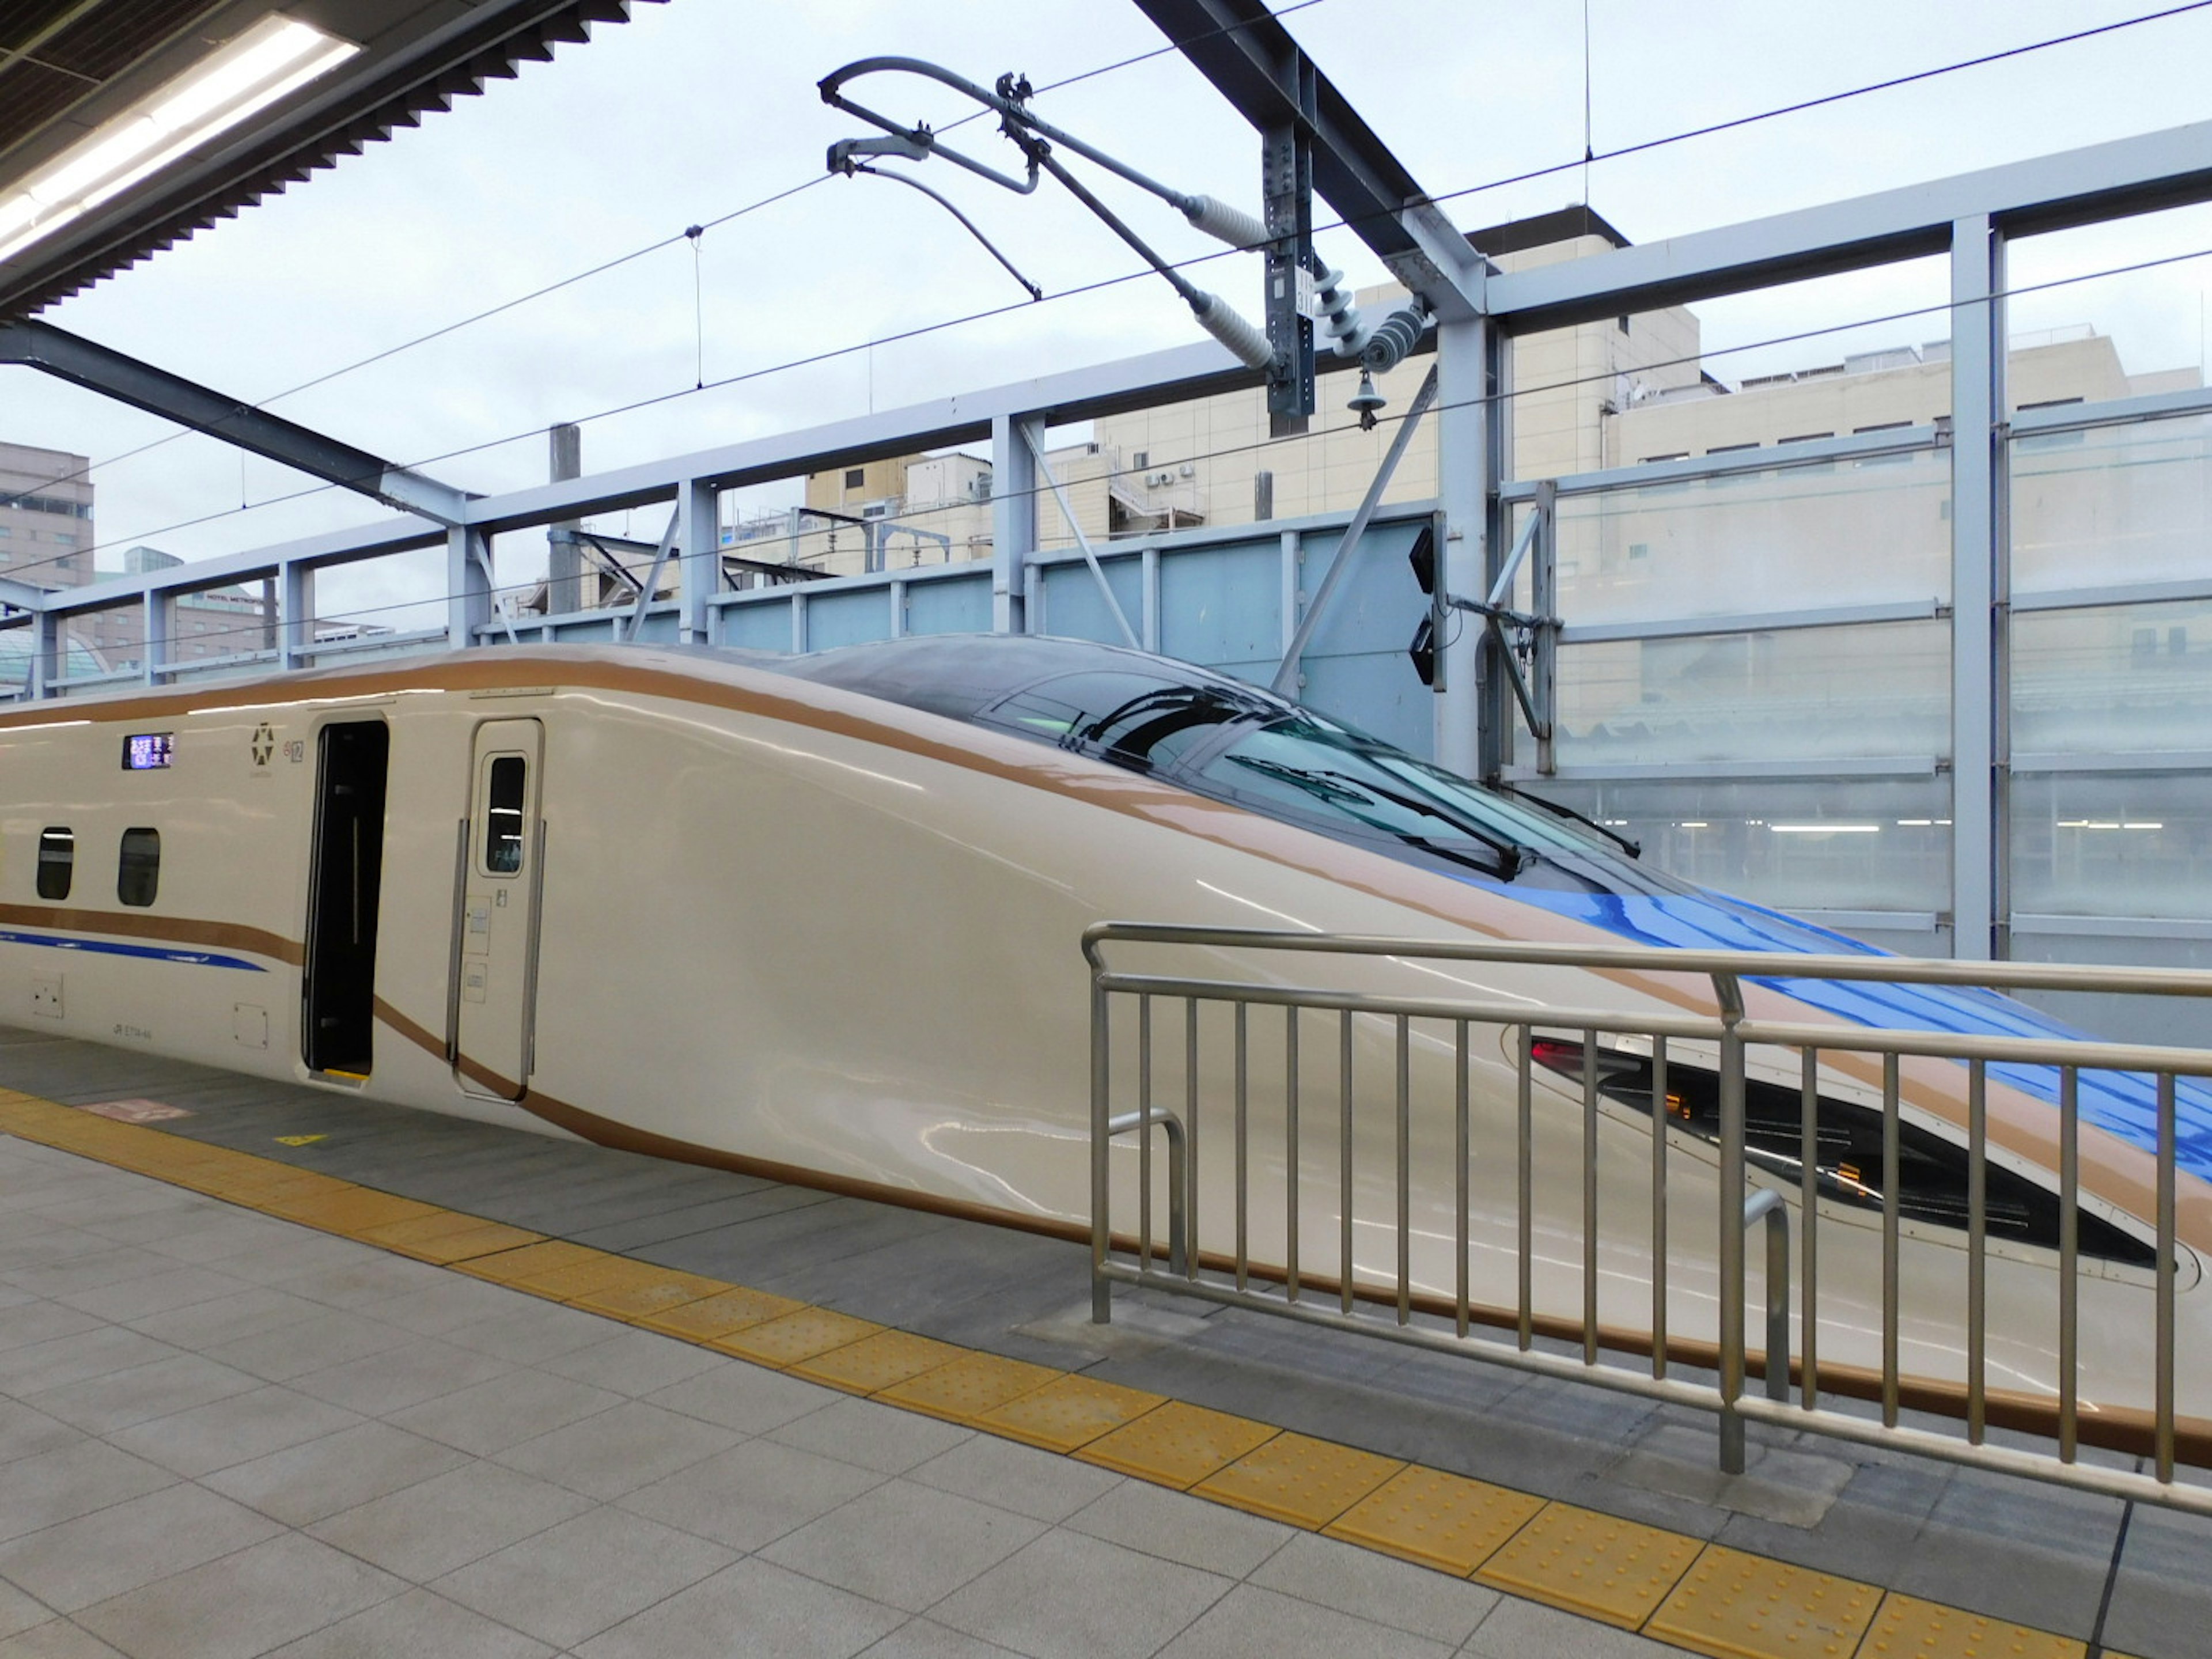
(45, 516)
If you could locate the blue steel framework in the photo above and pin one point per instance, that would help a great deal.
(1357, 667)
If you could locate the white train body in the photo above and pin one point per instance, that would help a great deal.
(730, 916)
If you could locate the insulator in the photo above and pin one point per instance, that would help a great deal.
(1225, 223)
(1400, 331)
(1367, 401)
(1340, 318)
(1247, 344)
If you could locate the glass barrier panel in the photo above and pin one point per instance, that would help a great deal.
(2131, 679)
(1874, 690)
(2112, 844)
(2116, 504)
(1872, 530)
(1880, 844)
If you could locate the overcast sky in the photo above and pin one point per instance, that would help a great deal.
(697, 108)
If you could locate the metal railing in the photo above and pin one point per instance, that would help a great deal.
(1284, 1285)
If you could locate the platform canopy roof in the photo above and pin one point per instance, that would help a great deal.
(93, 92)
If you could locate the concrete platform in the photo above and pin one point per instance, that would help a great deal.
(161, 1348)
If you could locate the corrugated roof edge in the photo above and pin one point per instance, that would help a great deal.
(399, 98)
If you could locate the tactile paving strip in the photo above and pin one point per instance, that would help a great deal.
(1598, 1565)
(1177, 1445)
(1439, 1520)
(447, 1236)
(1296, 1479)
(1745, 1607)
(970, 1387)
(795, 1336)
(878, 1362)
(530, 1261)
(721, 1314)
(649, 1292)
(1909, 1628)
(1068, 1411)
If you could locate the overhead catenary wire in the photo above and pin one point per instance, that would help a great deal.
(986, 313)
(1495, 400)
(691, 233)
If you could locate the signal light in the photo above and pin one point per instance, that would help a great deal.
(1423, 651)
(1422, 556)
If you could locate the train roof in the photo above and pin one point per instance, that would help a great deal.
(961, 675)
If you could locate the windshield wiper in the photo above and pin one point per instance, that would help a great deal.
(1633, 848)
(1347, 793)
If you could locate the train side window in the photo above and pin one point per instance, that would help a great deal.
(138, 870)
(56, 862)
(502, 830)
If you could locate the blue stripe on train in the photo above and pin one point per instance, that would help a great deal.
(2123, 1103)
(115, 948)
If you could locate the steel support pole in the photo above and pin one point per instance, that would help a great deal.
(1013, 516)
(468, 586)
(564, 560)
(1977, 586)
(1469, 455)
(699, 537)
(159, 632)
(45, 653)
(295, 615)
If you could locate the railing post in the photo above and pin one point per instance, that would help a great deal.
(1729, 993)
(1102, 1291)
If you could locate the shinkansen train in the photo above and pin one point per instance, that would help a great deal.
(818, 918)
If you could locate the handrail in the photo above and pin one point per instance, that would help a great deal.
(1370, 1121)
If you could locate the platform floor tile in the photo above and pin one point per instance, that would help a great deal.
(1177, 1445)
(878, 1362)
(1296, 1479)
(355, 1210)
(971, 1385)
(1910, 1628)
(719, 1315)
(1068, 1411)
(1598, 1565)
(795, 1336)
(1747, 1607)
(1439, 1520)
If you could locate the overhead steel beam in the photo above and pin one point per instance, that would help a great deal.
(83, 363)
(2050, 192)
(1253, 62)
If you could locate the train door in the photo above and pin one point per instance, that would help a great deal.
(338, 989)
(495, 1009)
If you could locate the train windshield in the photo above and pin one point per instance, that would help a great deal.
(1237, 743)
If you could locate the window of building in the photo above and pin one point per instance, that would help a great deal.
(1142, 458)
(1883, 426)
(1672, 455)
(1805, 438)
(1728, 449)
(138, 869)
(1624, 324)
(855, 476)
(56, 862)
(502, 832)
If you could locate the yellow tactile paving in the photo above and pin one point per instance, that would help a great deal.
(1909, 1628)
(650, 1293)
(795, 1336)
(720, 1314)
(530, 1261)
(1595, 1564)
(1442, 1521)
(1745, 1607)
(447, 1236)
(878, 1362)
(1177, 1445)
(1296, 1479)
(1068, 1411)
(355, 1210)
(971, 1385)
(582, 1279)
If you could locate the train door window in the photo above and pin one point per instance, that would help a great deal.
(344, 896)
(138, 870)
(56, 862)
(502, 828)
